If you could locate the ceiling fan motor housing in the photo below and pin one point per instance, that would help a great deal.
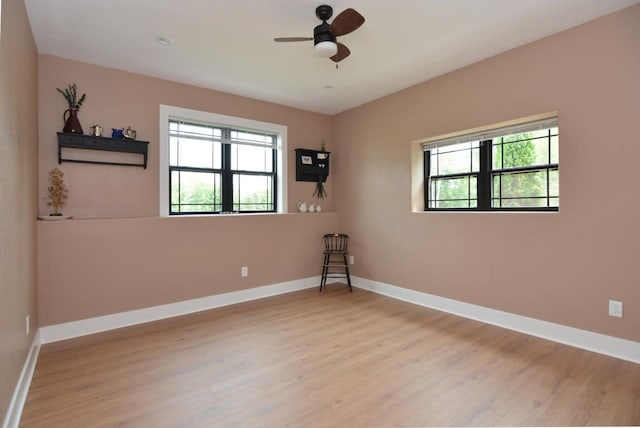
(322, 34)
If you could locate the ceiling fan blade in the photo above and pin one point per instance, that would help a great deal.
(343, 52)
(347, 21)
(292, 39)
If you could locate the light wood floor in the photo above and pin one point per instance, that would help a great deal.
(334, 359)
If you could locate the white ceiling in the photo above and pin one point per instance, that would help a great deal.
(228, 45)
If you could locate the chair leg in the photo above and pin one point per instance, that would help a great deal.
(325, 269)
(346, 268)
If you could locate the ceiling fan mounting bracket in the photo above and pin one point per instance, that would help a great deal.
(324, 12)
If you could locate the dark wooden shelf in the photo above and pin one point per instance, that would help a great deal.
(312, 165)
(88, 142)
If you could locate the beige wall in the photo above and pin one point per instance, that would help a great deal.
(116, 254)
(99, 267)
(560, 267)
(18, 205)
(117, 99)
(119, 256)
(582, 256)
(96, 267)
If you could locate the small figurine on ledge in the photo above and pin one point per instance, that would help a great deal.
(129, 133)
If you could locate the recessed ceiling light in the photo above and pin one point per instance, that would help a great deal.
(165, 41)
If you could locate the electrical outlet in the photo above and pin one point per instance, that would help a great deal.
(27, 325)
(352, 260)
(615, 308)
(244, 271)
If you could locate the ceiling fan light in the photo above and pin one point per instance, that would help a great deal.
(326, 49)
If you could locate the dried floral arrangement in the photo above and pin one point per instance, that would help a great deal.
(320, 191)
(57, 190)
(70, 94)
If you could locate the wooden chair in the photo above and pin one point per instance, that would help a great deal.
(335, 263)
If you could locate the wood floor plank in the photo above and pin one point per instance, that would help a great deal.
(335, 358)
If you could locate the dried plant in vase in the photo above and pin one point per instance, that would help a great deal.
(70, 94)
(57, 191)
(70, 116)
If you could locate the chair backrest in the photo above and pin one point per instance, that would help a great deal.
(336, 242)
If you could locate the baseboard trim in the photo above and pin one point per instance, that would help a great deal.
(14, 412)
(70, 330)
(595, 342)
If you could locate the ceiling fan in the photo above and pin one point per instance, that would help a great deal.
(324, 35)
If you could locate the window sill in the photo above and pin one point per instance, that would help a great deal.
(466, 211)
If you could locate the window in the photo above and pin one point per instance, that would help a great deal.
(219, 165)
(512, 168)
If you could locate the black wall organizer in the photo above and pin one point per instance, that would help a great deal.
(312, 165)
(88, 142)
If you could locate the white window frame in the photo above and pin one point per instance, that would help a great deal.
(167, 112)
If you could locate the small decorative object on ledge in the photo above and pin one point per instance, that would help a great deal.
(129, 133)
(304, 207)
(96, 131)
(123, 133)
(58, 191)
(70, 115)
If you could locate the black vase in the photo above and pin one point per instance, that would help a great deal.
(71, 122)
